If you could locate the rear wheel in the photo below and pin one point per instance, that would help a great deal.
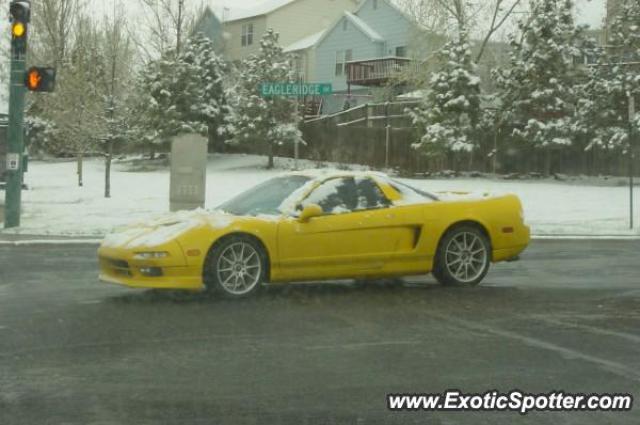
(236, 267)
(463, 257)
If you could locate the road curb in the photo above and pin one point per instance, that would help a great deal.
(587, 237)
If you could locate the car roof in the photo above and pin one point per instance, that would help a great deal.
(323, 174)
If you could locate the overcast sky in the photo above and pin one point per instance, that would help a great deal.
(590, 12)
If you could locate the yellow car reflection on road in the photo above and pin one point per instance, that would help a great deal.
(319, 226)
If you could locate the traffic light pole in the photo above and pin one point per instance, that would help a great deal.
(15, 148)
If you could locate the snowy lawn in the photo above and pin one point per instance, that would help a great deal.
(55, 205)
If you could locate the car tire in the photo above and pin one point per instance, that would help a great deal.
(236, 267)
(463, 257)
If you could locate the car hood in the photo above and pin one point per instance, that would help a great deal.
(165, 229)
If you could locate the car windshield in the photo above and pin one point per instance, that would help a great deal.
(410, 192)
(266, 198)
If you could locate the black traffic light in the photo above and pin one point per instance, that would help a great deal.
(40, 79)
(20, 12)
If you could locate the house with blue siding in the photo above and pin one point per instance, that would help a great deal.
(237, 32)
(361, 50)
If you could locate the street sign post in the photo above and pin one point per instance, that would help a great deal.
(632, 115)
(295, 89)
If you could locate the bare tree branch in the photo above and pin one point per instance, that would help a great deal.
(496, 24)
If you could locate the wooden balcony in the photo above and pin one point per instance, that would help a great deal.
(374, 72)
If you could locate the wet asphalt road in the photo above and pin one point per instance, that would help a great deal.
(75, 351)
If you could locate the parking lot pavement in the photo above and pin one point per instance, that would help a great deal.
(75, 351)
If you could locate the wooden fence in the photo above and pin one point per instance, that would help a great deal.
(378, 135)
(381, 135)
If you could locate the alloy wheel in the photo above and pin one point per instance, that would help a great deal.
(239, 268)
(466, 257)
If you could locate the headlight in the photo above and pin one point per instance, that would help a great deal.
(150, 255)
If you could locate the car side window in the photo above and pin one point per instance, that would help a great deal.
(369, 195)
(335, 196)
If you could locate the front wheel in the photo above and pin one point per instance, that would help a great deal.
(236, 267)
(463, 257)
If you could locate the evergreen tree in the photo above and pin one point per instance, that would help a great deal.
(602, 113)
(207, 72)
(451, 108)
(253, 118)
(40, 132)
(538, 88)
(182, 93)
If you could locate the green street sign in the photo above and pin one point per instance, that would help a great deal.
(295, 89)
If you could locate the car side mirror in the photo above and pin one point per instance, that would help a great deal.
(310, 211)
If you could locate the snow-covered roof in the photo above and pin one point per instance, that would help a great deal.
(327, 173)
(358, 23)
(304, 43)
(262, 8)
(363, 26)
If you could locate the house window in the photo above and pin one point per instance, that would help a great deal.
(247, 35)
(345, 25)
(348, 57)
(299, 65)
(340, 54)
(342, 57)
(401, 51)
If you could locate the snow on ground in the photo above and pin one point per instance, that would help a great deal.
(55, 205)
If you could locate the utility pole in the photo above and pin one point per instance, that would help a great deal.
(20, 14)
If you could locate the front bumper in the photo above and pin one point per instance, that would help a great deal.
(118, 266)
(186, 278)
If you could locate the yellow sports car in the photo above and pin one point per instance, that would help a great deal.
(306, 226)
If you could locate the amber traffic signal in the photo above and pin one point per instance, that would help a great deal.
(20, 12)
(40, 79)
(18, 30)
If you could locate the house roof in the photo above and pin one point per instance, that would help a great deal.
(362, 26)
(358, 23)
(391, 4)
(304, 43)
(262, 8)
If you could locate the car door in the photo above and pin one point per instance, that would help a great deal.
(355, 236)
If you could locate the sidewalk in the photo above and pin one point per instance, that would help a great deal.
(17, 239)
(32, 241)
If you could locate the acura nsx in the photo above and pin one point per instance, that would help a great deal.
(310, 226)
